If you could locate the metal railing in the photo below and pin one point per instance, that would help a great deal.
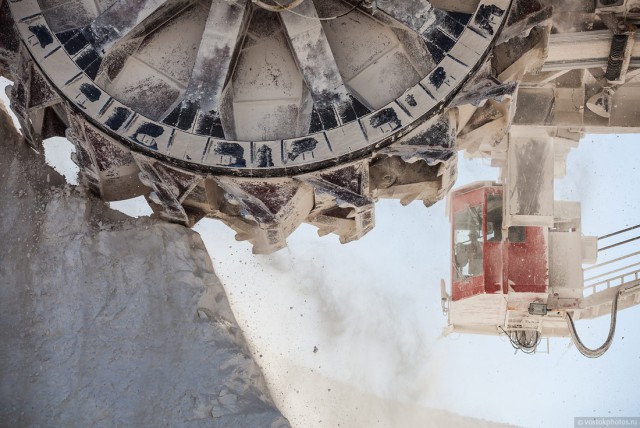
(612, 282)
(624, 269)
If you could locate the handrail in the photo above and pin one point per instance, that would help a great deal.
(610, 280)
(612, 261)
(618, 232)
(619, 243)
(612, 271)
(629, 273)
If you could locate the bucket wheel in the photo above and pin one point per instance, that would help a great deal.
(263, 114)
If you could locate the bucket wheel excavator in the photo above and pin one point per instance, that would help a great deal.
(518, 256)
(266, 114)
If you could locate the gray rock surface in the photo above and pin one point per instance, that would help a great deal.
(110, 321)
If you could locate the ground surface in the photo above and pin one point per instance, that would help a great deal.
(109, 321)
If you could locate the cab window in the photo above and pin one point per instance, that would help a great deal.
(467, 238)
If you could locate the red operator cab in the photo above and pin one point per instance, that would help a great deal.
(488, 258)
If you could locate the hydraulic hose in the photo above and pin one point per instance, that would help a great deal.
(598, 352)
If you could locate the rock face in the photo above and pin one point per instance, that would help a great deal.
(111, 321)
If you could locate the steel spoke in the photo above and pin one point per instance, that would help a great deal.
(313, 54)
(221, 40)
(123, 18)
